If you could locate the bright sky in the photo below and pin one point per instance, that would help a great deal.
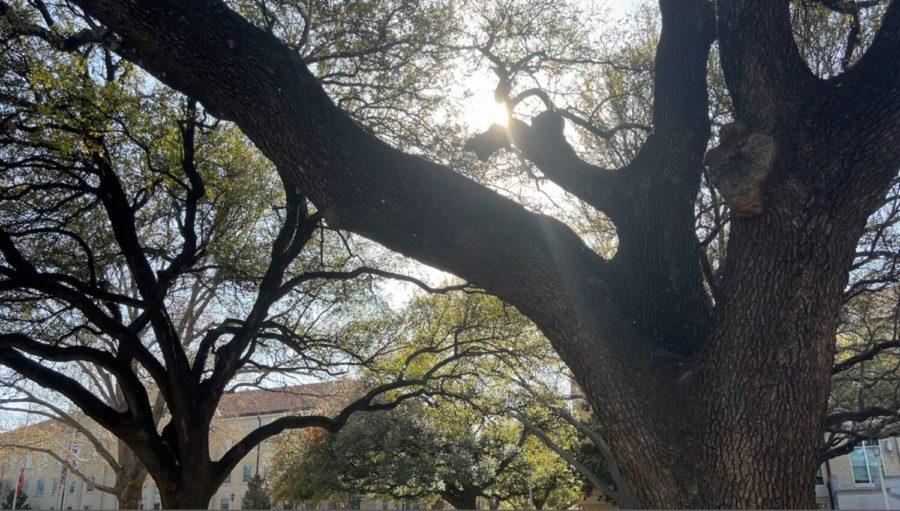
(480, 111)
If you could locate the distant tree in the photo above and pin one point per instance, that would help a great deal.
(257, 497)
(410, 453)
(458, 446)
(21, 499)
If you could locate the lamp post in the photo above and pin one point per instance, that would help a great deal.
(530, 493)
(876, 451)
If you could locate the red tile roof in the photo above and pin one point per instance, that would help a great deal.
(308, 398)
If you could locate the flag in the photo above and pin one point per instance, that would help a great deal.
(71, 458)
(21, 482)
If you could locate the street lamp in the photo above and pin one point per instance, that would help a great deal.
(530, 484)
(876, 451)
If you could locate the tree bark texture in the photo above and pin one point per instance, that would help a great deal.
(705, 403)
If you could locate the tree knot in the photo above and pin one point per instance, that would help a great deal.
(739, 166)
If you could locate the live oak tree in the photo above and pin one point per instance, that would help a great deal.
(257, 496)
(698, 393)
(152, 261)
(460, 446)
(422, 453)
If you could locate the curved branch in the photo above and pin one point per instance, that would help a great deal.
(867, 355)
(332, 424)
(763, 67)
(579, 467)
(103, 414)
(135, 393)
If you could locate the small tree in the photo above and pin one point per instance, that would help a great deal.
(20, 500)
(257, 497)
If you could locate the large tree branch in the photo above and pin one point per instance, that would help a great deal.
(359, 183)
(153, 290)
(569, 458)
(135, 393)
(866, 99)
(26, 276)
(869, 354)
(118, 422)
(365, 403)
(542, 143)
(763, 68)
(294, 234)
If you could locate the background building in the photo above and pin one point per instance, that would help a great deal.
(854, 481)
(48, 486)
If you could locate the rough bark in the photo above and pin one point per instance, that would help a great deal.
(129, 478)
(702, 405)
(460, 499)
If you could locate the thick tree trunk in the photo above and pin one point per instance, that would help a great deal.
(130, 497)
(130, 478)
(194, 494)
(460, 499)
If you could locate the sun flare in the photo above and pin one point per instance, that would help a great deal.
(480, 114)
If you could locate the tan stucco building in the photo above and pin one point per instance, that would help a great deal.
(48, 486)
(854, 481)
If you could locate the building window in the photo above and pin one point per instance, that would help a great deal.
(227, 479)
(45, 460)
(14, 462)
(248, 469)
(54, 487)
(39, 488)
(157, 505)
(90, 485)
(244, 502)
(820, 476)
(28, 461)
(865, 464)
(25, 486)
(72, 487)
(223, 503)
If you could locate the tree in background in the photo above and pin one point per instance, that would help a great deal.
(153, 261)
(458, 446)
(257, 497)
(21, 499)
(419, 453)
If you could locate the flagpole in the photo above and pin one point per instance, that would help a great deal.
(73, 450)
(21, 478)
(18, 482)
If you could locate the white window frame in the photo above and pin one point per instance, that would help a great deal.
(871, 461)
